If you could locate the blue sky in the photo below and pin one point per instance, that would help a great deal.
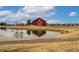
(52, 14)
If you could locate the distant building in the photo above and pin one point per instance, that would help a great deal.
(39, 21)
(42, 22)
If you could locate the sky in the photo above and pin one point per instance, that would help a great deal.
(52, 14)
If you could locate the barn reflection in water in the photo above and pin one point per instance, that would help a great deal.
(20, 34)
(28, 32)
(38, 33)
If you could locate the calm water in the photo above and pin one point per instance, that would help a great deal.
(12, 35)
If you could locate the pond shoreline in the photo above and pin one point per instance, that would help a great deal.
(33, 27)
(66, 33)
(38, 41)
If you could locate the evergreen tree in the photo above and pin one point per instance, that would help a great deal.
(3, 23)
(28, 22)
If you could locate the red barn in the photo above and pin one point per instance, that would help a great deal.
(39, 21)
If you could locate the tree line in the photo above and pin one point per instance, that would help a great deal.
(5, 24)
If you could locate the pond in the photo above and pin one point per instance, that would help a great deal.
(13, 35)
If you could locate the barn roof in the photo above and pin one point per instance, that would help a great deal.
(39, 18)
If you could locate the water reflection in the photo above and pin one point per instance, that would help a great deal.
(11, 35)
(18, 34)
(28, 32)
(39, 33)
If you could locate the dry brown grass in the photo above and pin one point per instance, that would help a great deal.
(42, 47)
(47, 47)
(74, 34)
(32, 27)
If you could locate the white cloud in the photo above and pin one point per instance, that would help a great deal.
(54, 21)
(73, 13)
(39, 11)
(35, 9)
(5, 13)
(9, 16)
(20, 15)
(26, 13)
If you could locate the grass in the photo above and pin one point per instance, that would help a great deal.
(32, 27)
(42, 47)
(74, 34)
(67, 32)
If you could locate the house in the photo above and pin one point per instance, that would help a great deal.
(39, 21)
